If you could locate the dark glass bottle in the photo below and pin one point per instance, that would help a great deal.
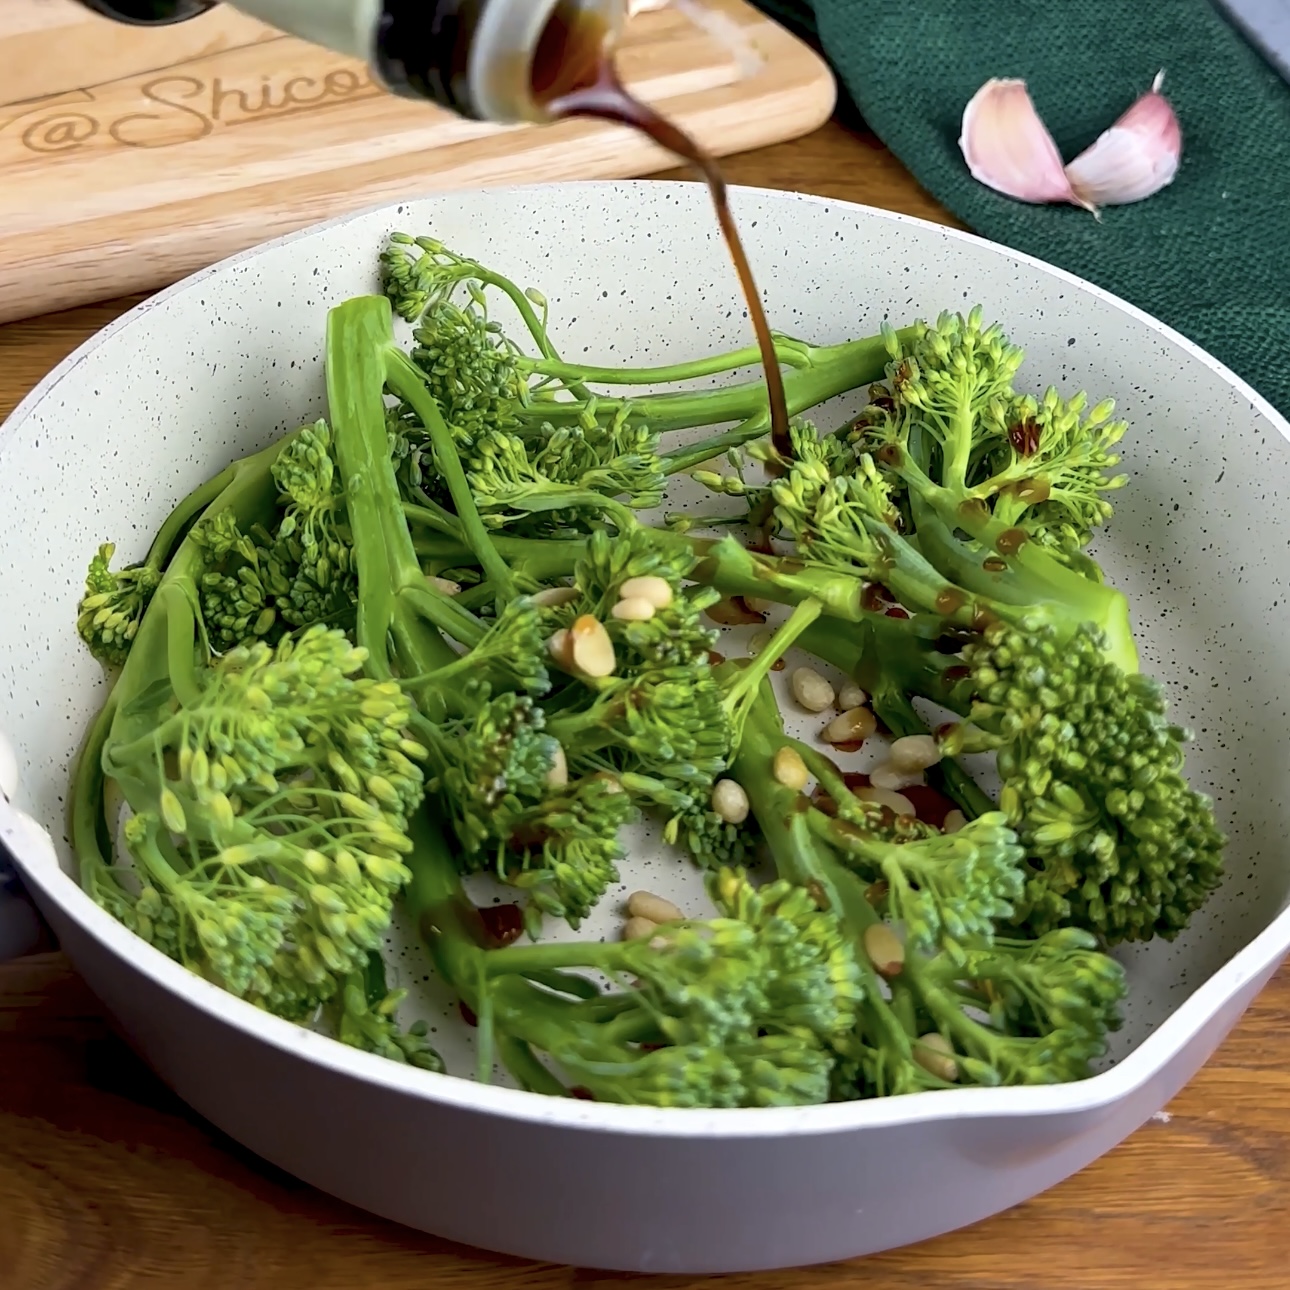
(473, 57)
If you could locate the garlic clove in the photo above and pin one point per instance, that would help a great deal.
(1008, 148)
(1136, 157)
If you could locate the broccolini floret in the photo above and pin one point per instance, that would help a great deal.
(268, 793)
(1057, 997)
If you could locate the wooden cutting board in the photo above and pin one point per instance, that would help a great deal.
(129, 157)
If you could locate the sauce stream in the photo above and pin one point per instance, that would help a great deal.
(573, 75)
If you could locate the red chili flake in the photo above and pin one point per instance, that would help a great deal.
(715, 659)
(778, 665)
(854, 779)
(467, 1014)
(1024, 437)
(503, 924)
(824, 803)
(582, 1094)
(930, 804)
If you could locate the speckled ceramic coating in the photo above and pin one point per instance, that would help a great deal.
(636, 273)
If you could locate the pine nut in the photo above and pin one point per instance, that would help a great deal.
(852, 726)
(645, 904)
(953, 822)
(811, 690)
(634, 609)
(558, 648)
(638, 929)
(789, 769)
(934, 1054)
(554, 597)
(892, 778)
(590, 648)
(915, 752)
(730, 801)
(885, 950)
(897, 803)
(851, 696)
(652, 588)
(444, 585)
(558, 775)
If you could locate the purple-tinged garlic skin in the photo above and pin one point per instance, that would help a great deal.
(1138, 156)
(1009, 149)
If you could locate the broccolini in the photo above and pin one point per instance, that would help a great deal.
(451, 630)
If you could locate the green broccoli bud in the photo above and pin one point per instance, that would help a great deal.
(1049, 1006)
(269, 817)
(742, 1009)
(1092, 780)
(113, 605)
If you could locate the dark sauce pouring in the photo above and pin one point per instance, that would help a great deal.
(573, 75)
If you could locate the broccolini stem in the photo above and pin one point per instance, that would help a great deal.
(1029, 583)
(793, 353)
(356, 341)
(682, 459)
(518, 1058)
(800, 858)
(433, 516)
(173, 531)
(539, 558)
(899, 715)
(405, 381)
(91, 831)
(181, 643)
(828, 371)
(741, 694)
(524, 307)
(446, 613)
(250, 496)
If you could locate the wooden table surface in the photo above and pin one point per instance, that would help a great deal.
(106, 1181)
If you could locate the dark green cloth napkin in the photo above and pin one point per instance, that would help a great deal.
(1209, 255)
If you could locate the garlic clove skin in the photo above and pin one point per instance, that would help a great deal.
(1008, 148)
(1136, 157)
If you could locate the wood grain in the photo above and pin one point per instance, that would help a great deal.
(124, 182)
(108, 1183)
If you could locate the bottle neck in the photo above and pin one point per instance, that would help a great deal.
(477, 57)
(474, 57)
